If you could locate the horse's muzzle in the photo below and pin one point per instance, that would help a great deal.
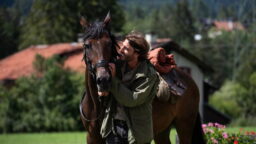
(103, 79)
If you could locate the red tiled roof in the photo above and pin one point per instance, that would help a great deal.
(75, 63)
(228, 26)
(21, 63)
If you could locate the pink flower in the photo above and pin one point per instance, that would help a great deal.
(219, 125)
(216, 124)
(214, 140)
(225, 135)
(210, 124)
(211, 131)
(205, 130)
(204, 125)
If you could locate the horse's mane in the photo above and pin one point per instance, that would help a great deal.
(96, 31)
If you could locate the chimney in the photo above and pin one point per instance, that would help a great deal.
(230, 25)
(80, 38)
(151, 39)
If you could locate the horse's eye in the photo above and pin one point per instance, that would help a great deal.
(87, 46)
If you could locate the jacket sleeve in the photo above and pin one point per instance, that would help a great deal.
(143, 87)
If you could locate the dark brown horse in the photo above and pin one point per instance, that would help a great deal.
(100, 49)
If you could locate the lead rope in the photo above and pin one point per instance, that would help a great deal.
(82, 112)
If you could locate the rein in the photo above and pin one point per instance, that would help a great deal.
(92, 69)
(82, 112)
(101, 63)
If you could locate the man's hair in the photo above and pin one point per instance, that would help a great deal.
(140, 45)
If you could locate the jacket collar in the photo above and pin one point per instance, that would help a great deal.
(129, 75)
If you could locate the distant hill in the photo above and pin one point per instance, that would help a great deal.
(6, 3)
(23, 6)
(213, 5)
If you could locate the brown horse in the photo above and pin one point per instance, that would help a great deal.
(100, 49)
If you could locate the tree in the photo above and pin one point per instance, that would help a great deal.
(161, 19)
(137, 18)
(200, 9)
(97, 9)
(245, 59)
(182, 23)
(251, 111)
(231, 55)
(58, 21)
(9, 31)
(226, 98)
(227, 13)
(49, 22)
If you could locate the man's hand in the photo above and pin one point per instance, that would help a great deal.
(112, 68)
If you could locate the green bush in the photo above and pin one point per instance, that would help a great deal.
(3, 108)
(247, 102)
(237, 101)
(244, 121)
(226, 98)
(47, 103)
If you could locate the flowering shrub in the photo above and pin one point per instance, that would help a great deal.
(215, 134)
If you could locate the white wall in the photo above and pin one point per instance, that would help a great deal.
(196, 74)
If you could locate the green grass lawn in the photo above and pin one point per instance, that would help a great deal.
(44, 138)
(70, 137)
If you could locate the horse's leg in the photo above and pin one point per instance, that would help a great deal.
(187, 110)
(163, 137)
(198, 135)
(184, 128)
(185, 121)
(93, 140)
(93, 135)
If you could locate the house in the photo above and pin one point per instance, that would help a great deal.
(227, 25)
(217, 27)
(20, 64)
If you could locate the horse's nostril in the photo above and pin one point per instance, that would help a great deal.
(99, 80)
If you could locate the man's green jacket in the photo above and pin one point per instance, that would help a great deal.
(134, 90)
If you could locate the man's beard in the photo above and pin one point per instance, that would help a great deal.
(125, 57)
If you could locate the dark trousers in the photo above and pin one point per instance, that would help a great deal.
(114, 139)
(120, 133)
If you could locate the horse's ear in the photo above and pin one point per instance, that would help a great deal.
(107, 19)
(84, 23)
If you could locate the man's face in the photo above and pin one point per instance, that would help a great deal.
(127, 51)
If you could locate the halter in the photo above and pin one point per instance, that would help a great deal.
(92, 70)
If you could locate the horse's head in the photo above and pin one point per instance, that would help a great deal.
(99, 50)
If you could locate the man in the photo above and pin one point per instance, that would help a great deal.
(128, 117)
